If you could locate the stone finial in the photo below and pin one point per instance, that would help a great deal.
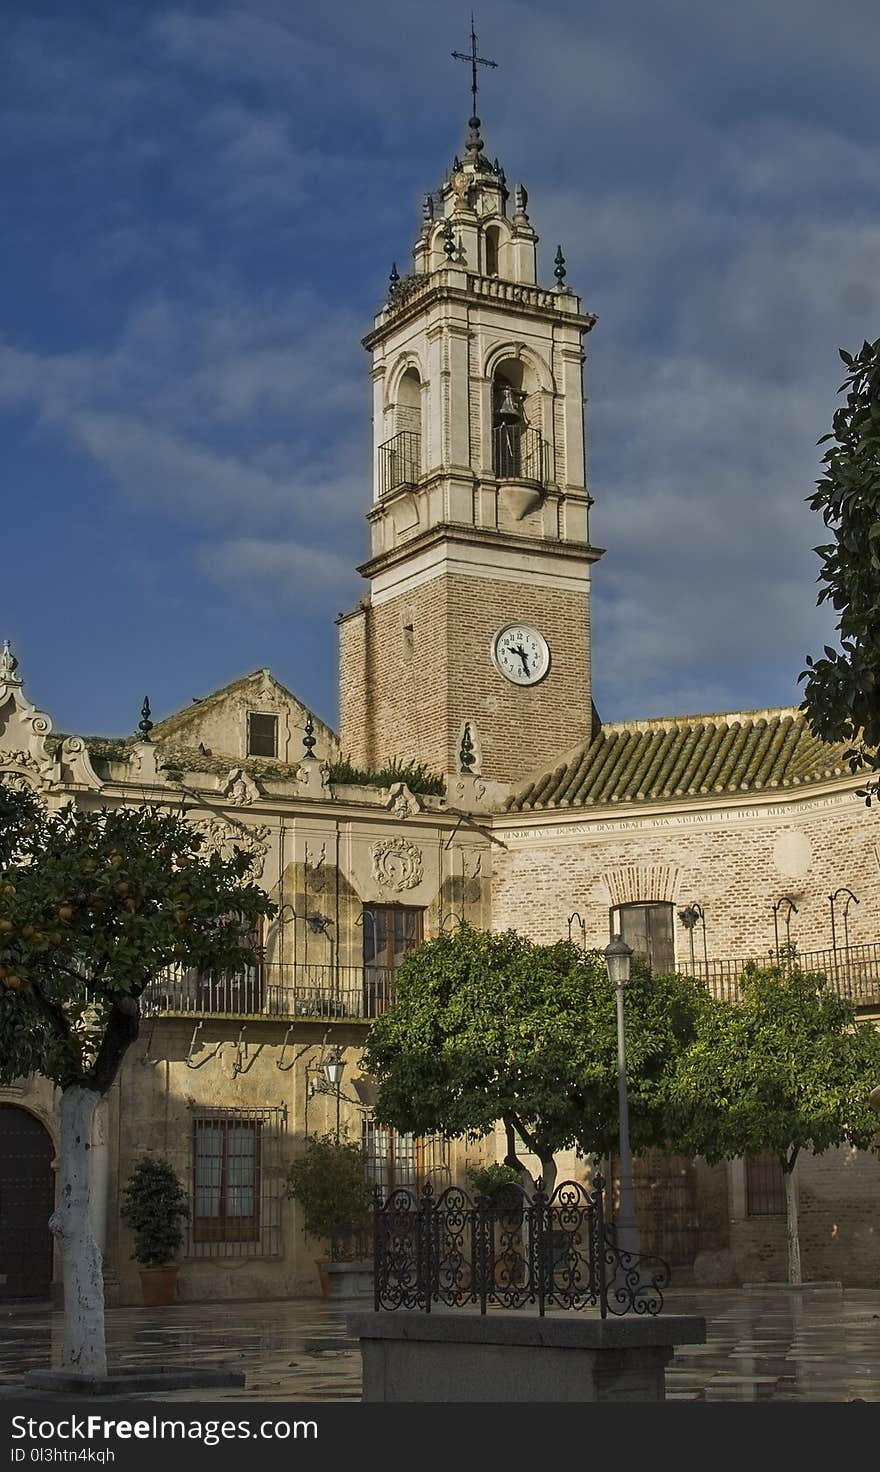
(466, 755)
(393, 281)
(559, 269)
(145, 725)
(521, 200)
(448, 239)
(8, 666)
(309, 741)
(428, 211)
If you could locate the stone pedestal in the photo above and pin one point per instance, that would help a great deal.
(518, 1357)
(350, 1279)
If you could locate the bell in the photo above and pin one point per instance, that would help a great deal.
(509, 409)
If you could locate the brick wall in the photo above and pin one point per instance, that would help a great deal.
(412, 670)
(735, 869)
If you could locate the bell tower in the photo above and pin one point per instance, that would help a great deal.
(478, 608)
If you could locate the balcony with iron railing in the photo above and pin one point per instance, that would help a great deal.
(285, 991)
(520, 453)
(853, 972)
(400, 461)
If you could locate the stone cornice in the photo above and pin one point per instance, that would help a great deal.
(453, 532)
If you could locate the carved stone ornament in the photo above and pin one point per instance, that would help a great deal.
(224, 838)
(401, 802)
(241, 789)
(25, 772)
(397, 863)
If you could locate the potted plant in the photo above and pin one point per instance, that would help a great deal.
(330, 1183)
(154, 1205)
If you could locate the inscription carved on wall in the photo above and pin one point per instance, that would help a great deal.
(397, 863)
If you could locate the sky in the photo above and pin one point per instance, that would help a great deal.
(201, 205)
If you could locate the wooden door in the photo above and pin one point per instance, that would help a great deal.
(26, 1203)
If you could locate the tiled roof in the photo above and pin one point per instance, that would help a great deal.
(688, 756)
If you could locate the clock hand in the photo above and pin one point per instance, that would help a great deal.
(523, 656)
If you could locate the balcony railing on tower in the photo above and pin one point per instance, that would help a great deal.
(519, 453)
(400, 461)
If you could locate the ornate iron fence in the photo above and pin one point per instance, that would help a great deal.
(513, 1251)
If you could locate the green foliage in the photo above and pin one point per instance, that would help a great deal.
(330, 1183)
(414, 774)
(493, 1181)
(842, 691)
(489, 1027)
(154, 1204)
(785, 1068)
(93, 907)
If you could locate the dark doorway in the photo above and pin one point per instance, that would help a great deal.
(26, 1203)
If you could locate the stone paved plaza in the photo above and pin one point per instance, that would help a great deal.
(817, 1344)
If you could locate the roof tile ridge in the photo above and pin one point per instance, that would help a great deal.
(697, 756)
(790, 728)
(712, 775)
(708, 757)
(686, 758)
(754, 739)
(654, 759)
(632, 749)
(731, 717)
(764, 755)
(667, 766)
(596, 776)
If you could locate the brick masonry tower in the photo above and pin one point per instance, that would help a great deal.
(478, 609)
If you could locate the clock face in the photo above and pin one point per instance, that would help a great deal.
(521, 654)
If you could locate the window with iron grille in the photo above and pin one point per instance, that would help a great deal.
(236, 1182)
(765, 1186)
(262, 735)
(395, 1159)
(648, 929)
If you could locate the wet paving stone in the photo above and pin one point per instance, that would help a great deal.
(816, 1345)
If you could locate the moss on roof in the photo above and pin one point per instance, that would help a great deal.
(689, 756)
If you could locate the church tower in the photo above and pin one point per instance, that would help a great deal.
(476, 625)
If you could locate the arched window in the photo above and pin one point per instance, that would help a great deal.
(508, 422)
(493, 238)
(400, 458)
(408, 410)
(648, 929)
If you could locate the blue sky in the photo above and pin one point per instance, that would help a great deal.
(201, 205)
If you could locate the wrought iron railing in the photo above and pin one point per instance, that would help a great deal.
(274, 990)
(851, 971)
(514, 1251)
(400, 461)
(520, 453)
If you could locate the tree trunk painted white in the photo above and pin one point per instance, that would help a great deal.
(84, 1343)
(791, 1216)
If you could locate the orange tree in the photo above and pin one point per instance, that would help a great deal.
(490, 1027)
(783, 1069)
(93, 907)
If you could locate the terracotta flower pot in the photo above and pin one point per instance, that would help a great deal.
(158, 1284)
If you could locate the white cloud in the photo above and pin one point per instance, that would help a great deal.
(264, 571)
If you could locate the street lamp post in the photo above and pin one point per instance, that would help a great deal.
(333, 1070)
(618, 956)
